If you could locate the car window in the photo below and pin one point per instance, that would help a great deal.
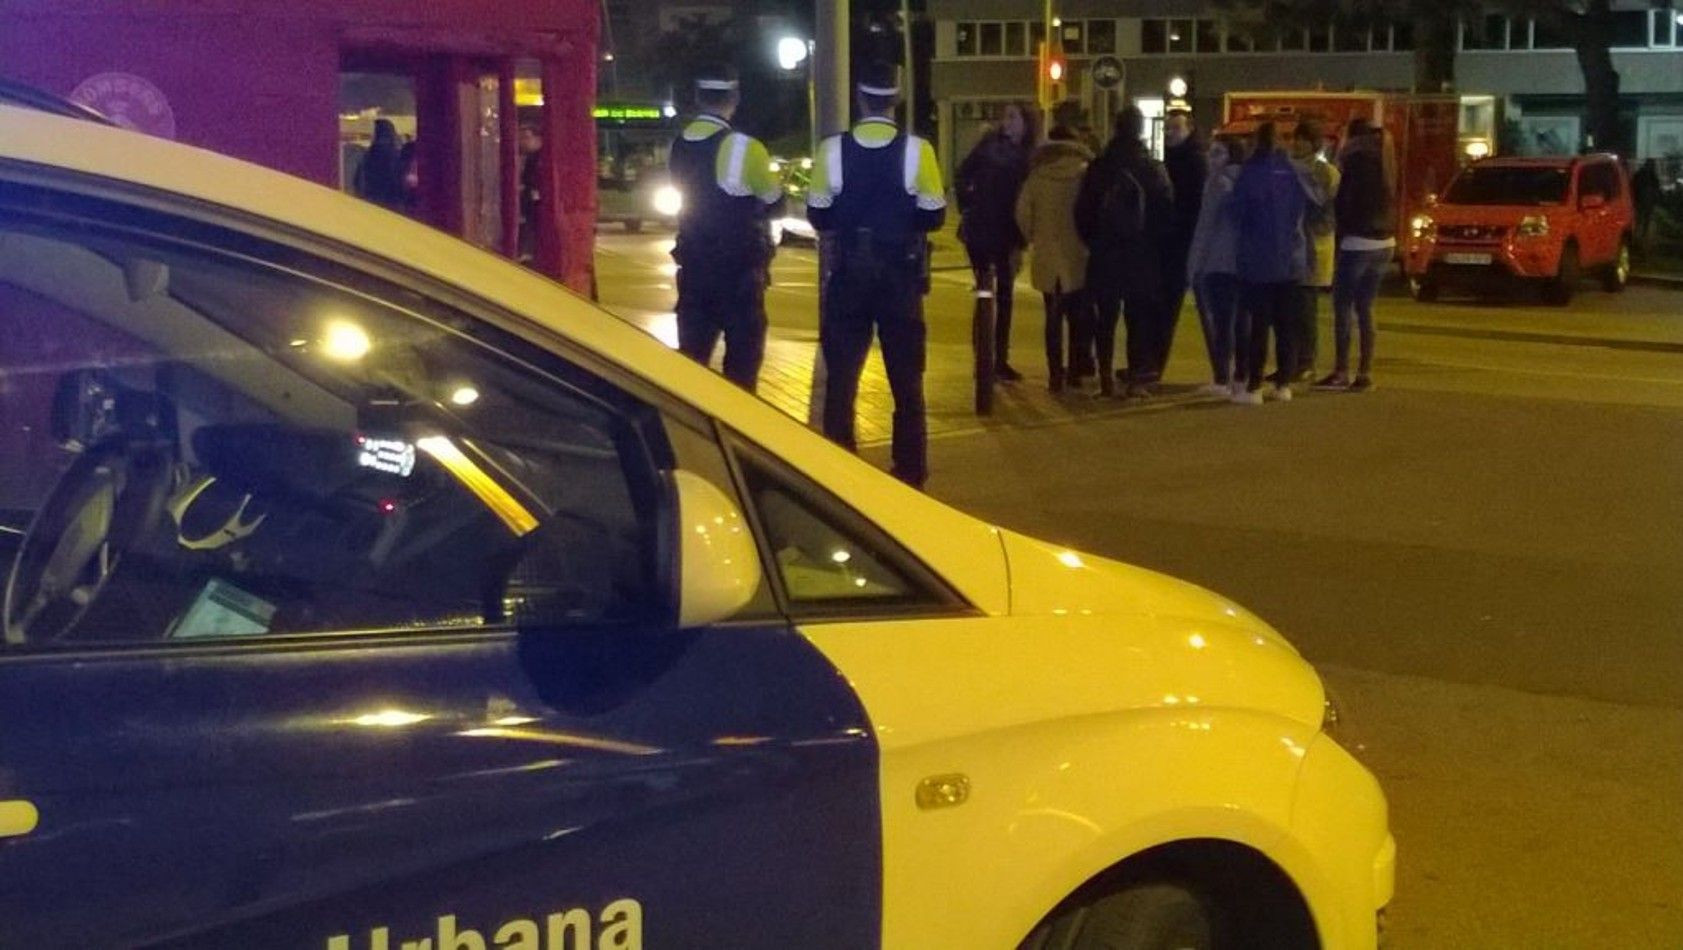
(1508, 185)
(197, 445)
(828, 559)
(1599, 178)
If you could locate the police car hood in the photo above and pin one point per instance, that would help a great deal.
(1193, 641)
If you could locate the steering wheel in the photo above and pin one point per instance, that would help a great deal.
(107, 500)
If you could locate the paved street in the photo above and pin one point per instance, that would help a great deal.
(1483, 555)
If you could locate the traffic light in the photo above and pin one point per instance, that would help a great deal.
(1054, 69)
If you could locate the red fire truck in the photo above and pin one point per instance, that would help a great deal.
(1424, 127)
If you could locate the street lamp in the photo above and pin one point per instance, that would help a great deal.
(791, 52)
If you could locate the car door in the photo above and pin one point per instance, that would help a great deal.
(339, 617)
(1597, 230)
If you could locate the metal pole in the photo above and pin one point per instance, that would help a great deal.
(831, 55)
(911, 70)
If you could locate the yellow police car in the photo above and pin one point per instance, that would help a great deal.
(366, 592)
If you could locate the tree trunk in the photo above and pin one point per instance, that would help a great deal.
(1434, 47)
(1592, 38)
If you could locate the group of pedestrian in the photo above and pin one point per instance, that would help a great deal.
(1259, 229)
(1256, 229)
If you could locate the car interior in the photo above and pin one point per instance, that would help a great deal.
(198, 446)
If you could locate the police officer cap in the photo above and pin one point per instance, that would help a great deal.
(718, 77)
(879, 79)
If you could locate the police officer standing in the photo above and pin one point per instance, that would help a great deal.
(876, 192)
(724, 246)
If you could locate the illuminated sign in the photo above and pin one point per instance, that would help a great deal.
(624, 113)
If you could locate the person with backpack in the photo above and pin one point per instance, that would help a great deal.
(1367, 240)
(1058, 267)
(1271, 258)
(1123, 212)
(1212, 272)
(1320, 179)
(986, 186)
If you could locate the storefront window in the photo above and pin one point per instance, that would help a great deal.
(482, 165)
(377, 133)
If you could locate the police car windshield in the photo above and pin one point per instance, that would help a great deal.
(1509, 185)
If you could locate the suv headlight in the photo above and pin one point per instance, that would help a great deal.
(1423, 227)
(1534, 225)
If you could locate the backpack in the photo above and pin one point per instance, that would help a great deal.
(1122, 210)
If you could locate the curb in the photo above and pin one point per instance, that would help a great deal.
(1669, 281)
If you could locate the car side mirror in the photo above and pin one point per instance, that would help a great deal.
(1591, 202)
(718, 565)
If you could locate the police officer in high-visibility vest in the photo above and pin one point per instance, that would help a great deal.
(876, 193)
(724, 246)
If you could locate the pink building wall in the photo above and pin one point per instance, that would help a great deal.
(258, 79)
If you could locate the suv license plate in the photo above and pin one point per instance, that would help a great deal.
(1468, 258)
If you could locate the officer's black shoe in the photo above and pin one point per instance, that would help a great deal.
(1004, 373)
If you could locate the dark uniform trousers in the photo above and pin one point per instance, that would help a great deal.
(877, 289)
(726, 299)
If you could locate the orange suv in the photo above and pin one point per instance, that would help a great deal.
(1547, 220)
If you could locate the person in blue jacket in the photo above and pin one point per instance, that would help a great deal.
(1272, 256)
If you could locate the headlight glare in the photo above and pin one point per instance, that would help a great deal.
(668, 201)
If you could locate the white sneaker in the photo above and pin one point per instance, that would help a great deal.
(1244, 397)
(1214, 389)
(1281, 394)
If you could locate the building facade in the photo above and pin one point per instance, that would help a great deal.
(1521, 84)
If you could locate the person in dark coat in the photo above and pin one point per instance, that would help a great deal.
(1645, 194)
(1187, 160)
(986, 184)
(1272, 256)
(380, 176)
(1123, 213)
